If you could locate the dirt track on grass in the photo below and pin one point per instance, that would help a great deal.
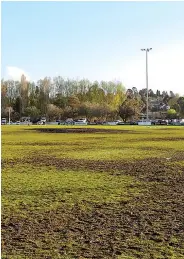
(107, 230)
(137, 168)
(83, 130)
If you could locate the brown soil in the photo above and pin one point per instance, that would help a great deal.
(135, 167)
(163, 139)
(107, 230)
(83, 130)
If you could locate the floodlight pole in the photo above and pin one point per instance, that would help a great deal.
(147, 50)
(9, 110)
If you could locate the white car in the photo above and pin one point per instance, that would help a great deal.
(117, 121)
(81, 122)
(113, 122)
(43, 120)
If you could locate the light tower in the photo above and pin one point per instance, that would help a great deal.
(147, 50)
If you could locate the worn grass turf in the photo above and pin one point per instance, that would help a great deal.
(95, 192)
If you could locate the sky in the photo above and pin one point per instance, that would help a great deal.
(95, 40)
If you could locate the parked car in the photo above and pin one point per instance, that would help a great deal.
(17, 122)
(43, 121)
(60, 122)
(133, 122)
(120, 123)
(82, 121)
(3, 121)
(96, 122)
(160, 122)
(69, 121)
(117, 121)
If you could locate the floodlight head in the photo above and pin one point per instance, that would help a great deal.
(143, 49)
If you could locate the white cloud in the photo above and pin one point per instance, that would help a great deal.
(165, 68)
(15, 73)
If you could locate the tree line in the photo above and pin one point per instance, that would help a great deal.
(60, 98)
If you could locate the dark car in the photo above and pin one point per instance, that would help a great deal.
(133, 123)
(161, 122)
(60, 122)
(3, 121)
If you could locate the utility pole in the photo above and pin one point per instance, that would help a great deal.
(147, 50)
(9, 112)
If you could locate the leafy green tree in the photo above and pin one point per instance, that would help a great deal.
(143, 92)
(117, 98)
(177, 108)
(84, 110)
(4, 98)
(15, 116)
(180, 102)
(94, 111)
(53, 112)
(130, 109)
(172, 95)
(158, 93)
(79, 97)
(83, 88)
(171, 114)
(67, 112)
(129, 93)
(60, 101)
(32, 111)
(18, 105)
(93, 93)
(166, 98)
(33, 95)
(151, 93)
(44, 90)
(24, 94)
(73, 102)
(172, 101)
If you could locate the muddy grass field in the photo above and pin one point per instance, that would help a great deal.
(92, 192)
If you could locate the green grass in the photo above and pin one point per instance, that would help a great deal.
(102, 146)
(32, 191)
(45, 188)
